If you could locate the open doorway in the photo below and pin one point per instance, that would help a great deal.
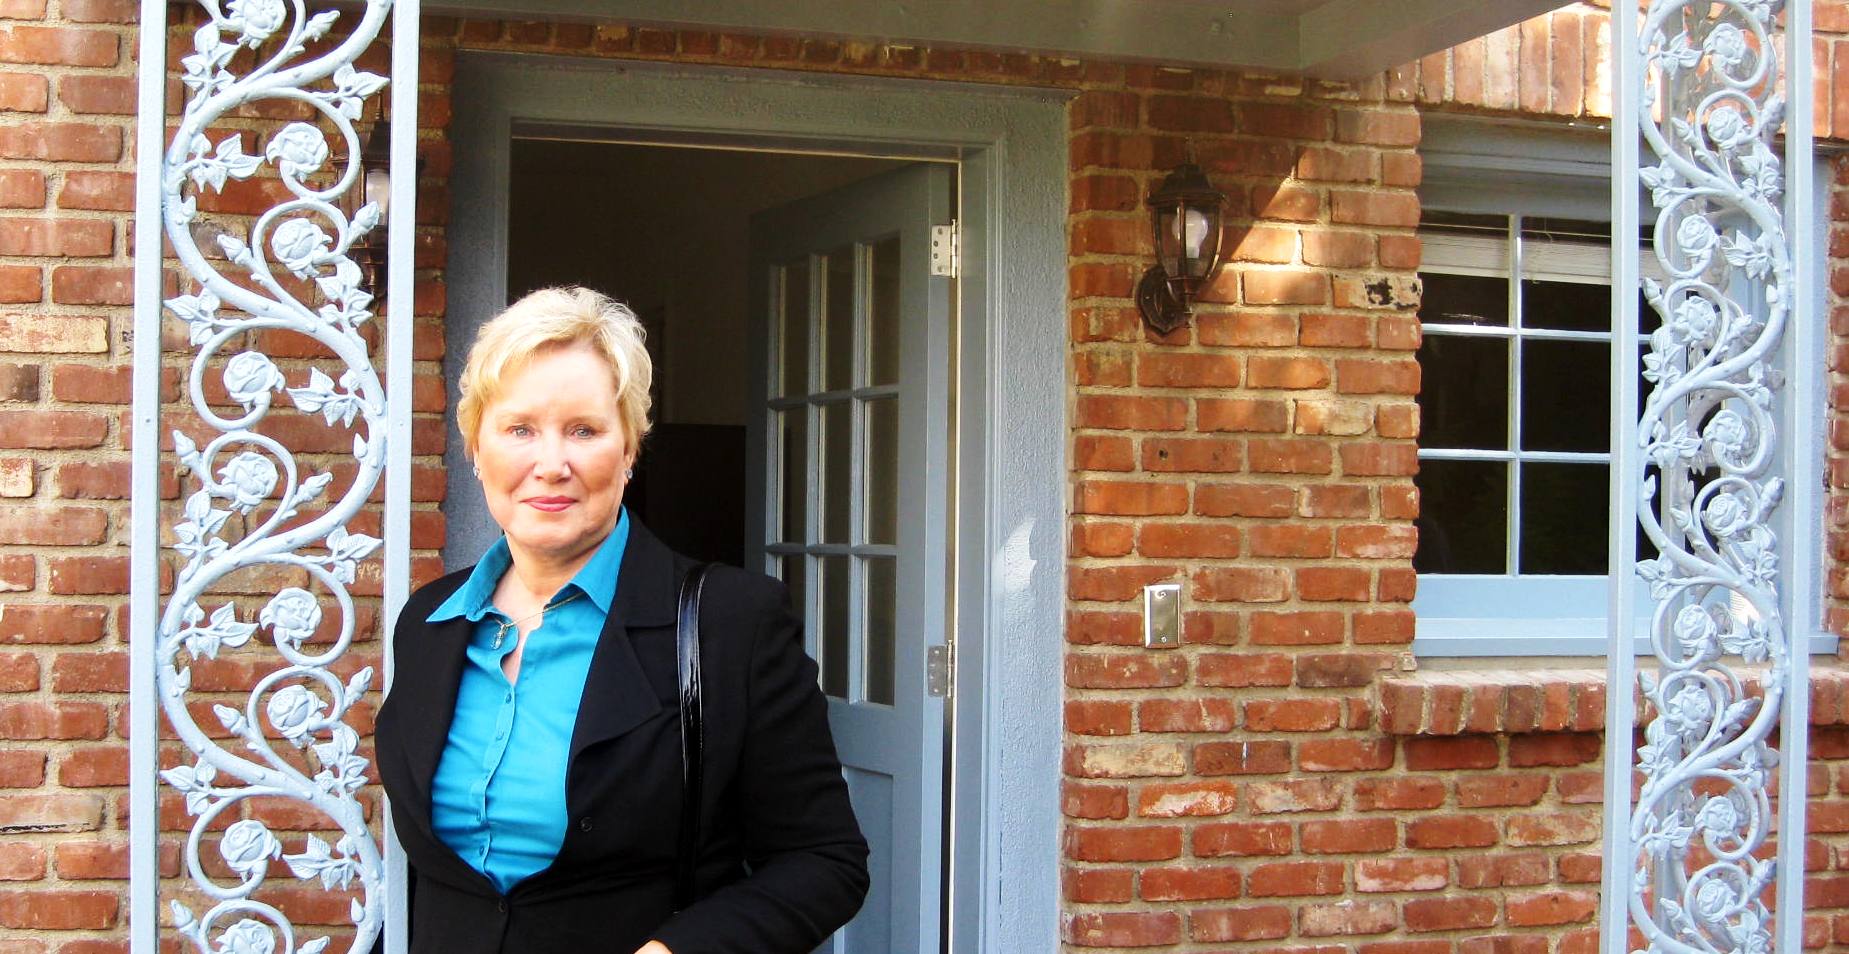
(802, 334)
(666, 230)
(1006, 148)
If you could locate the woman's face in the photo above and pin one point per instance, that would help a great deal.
(552, 455)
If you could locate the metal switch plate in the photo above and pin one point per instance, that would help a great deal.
(1162, 614)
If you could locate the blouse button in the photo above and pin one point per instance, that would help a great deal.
(584, 824)
(502, 905)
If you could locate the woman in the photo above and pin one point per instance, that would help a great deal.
(531, 744)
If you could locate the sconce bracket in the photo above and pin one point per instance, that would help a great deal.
(1162, 311)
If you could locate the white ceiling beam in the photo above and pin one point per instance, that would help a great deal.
(1181, 32)
(1342, 38)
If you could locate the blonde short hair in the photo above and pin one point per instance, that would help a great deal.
(558, 318)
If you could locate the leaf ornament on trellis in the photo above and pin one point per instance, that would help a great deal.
(1710, 113)
(250, 505)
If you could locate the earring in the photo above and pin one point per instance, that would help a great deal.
(629, 474)
(478, 473)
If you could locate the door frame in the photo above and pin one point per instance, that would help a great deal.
(1010, 387)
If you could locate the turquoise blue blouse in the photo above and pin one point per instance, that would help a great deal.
(498, 799)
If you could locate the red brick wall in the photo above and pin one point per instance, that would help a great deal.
(1237, 795)
(1278, 781)
(67, 92)
(1264, 456)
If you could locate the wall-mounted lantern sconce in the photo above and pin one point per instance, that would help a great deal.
(1186, 209)
(374, 185)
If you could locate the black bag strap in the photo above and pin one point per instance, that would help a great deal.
(687, 662)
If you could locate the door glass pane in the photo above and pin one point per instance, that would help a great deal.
(1572, 306)
(794, 575)
(1464, 398)
(837, 466)
(793, 357)
(882, 469)
(1464, 300)
(881, 633)
(1566, 395)
(838, 343)
(883, 329)
(836, 588)
(1564, 518)
(1463, 516)
(794, 426)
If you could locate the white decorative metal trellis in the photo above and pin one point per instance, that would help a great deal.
(289, 272)
(1689, 863)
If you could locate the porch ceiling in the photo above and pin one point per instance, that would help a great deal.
(1329, 38)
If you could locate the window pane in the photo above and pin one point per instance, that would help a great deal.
(1464, 223)
(794, 425)
(838, 345)
(1464, 400)
(1464, 300)
(1570, 306)
(883, 330)
(883, 470)
(881, 633)
(794, 356)
(1463, 516)
(837, 467)
(1566, 396)
(836, 588)
(1538, 228)
(1646, 548)
(1564, 518)
(794, 575)
(1647, 318)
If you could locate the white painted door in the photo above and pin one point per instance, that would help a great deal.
(850, 438)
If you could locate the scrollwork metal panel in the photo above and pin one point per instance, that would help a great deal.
(1710, 102)
(248, 503)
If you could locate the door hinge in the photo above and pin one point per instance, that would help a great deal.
(940, 670)
(945, 255)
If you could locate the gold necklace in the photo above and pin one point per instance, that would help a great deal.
(501, 633)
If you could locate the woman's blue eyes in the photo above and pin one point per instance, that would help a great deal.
(521, 430)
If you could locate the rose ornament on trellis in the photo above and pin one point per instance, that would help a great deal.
(302, 242)
(1710, 112)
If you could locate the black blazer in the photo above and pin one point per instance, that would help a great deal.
(782, 864)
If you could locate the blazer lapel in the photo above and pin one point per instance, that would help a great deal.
(617, 696)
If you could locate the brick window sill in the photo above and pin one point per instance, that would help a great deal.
(1541, 700)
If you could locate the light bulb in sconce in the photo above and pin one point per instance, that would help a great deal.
(379, 189)
(1191, 234)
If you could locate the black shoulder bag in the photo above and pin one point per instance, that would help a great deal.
(687, 662)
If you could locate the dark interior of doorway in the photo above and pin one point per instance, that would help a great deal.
(665, 229)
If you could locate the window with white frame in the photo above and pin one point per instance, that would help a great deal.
(1514, 449)
(1514, 456)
